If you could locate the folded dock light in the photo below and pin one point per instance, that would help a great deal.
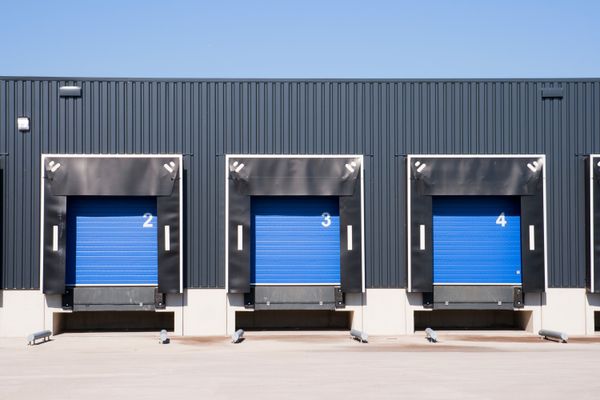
(237, 336)
(164, 339)
(548, 334)
(45, 335)
(431, 335)
(360, 336)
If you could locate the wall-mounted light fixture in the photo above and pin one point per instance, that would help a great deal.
(69, 91)
(552, 93)
(23, 124)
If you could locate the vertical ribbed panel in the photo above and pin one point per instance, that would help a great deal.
(381, 119)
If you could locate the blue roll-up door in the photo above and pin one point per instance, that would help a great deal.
(476, 240)
(112, 241)
(296, 240)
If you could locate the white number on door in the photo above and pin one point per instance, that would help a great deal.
(326, 219)
(501, 220)
(148, 223)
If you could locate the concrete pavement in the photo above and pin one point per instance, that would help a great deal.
(288, 365)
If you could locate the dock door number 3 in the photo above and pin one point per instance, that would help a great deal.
(326, 220)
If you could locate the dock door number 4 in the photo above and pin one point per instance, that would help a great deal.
(501, 220)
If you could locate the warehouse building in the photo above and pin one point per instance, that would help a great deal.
(202, 206)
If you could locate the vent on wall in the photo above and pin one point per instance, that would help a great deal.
(69, 91)
(552, 93)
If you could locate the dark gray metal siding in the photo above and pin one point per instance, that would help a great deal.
(381, 119)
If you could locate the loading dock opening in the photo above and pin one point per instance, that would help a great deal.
(110, 230)
(474, 320)
(293, 320)
(113, 321)
(294, 230)
(476, 230)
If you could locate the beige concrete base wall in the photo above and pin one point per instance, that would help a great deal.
(197, 312)
(564, 310)
(204, 312)
(21, 312)
(210, 312)
(385, 312)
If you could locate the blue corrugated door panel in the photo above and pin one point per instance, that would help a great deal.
(296, 240)
(476, 240)
(112, 241)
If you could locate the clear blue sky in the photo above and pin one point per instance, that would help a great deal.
(301, 39)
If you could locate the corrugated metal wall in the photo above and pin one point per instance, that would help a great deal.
(381, 119)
